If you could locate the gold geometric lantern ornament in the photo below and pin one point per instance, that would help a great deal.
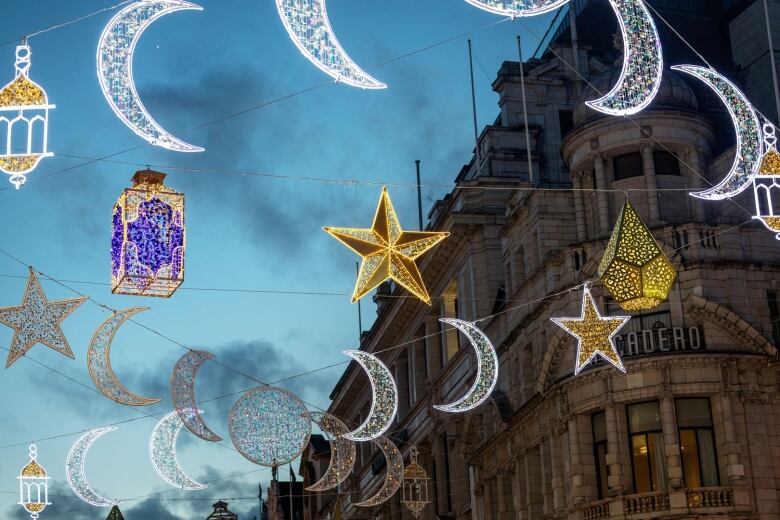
(634, 268)
(415, 486)
(33, 486)
(24, 120)
(148, 238)
(767, 184)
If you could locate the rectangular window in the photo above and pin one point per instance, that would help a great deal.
(566, 121)
(774, 315)
(666, 163)
(599, 424)
(647, 447)
(628, 165)
(697, 443)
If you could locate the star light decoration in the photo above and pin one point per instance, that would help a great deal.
(23, 102)
(33, 485)
(148, 238)
(37, 320)
(388, 252)
(634, 268)
(767, 182)
(594, 334)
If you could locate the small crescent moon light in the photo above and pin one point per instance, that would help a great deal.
(74, 469)
(518, 8)
(307, 24)
(99, 361)
(384, 404)
(487, 368)
(162, 452)
(115, 68)
(394, 477)
(183, 393)
(749, 146)
(643, 63)
(342, 452)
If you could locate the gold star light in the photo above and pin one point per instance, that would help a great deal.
(37, 320)
(594, 333)
(388, 252)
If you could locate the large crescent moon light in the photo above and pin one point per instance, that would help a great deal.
(487, 368)
(518, 8)
(307, 24)
(74, 469)
(643, 63)
(162, 452)
(342, 452)
(384, 403)
(99, 361)
(183, 393)
(115, 68)
(750, 146)
(394, 476)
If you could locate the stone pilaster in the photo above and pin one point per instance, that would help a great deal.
(602, 196)
(648, 168)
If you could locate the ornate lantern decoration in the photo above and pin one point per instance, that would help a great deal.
(415, 486)
(147, 243)
(766, 182)
(24, 113)
(634, 268)
(33, 486)
(221, 512)
(115, 514)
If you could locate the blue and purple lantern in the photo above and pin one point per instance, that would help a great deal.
(147, 243)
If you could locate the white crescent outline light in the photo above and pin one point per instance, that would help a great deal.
(750, 146)
(384, 403)
(162, 453)
(307, 24)
(487, 368)
(518, 8)
(342, 452)
(183, 393)
(115, 68)
(643, 63)
(74, 469)
(99, 361)
(394, 477)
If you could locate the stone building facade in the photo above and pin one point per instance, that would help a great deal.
(693, 428)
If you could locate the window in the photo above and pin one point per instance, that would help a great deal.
(774, 315)
(627, 166)
(599, 424)
(697, 443)
(566, 121)
(647, 447)
(666, 163)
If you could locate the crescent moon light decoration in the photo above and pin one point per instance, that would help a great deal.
(518, 8)
(162, 452)
(342, 452)
(643, 62)
(99, 361)
(307, 23)
(74, 469)
(487, 369)
(183, 393)
(115, 68)
(269, 426)
(749, 138)
(385, 397)
(394, 477)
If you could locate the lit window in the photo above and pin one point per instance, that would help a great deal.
(647, 447)
(697, 443)
(599, 423)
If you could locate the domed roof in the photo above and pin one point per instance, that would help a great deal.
(34, 470)
(21, 92)
(673, 93)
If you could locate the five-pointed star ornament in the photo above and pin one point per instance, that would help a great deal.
(37, 320)
(388, 252)
(594, 333)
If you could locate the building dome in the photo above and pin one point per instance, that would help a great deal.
(22, 92)
(674, 93)
(33, 470)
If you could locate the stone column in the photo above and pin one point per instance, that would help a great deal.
(735, 472)
(519, 488)
(671, 443)
(579, 207)
(575, 456)
(556, 470)
(602, 196)
(698, 182)
(648, 168)
(615, 468)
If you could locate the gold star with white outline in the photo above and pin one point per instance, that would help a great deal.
(37, 320)
(594, 333)
(388, 252)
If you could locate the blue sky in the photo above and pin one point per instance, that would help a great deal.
(243, 232)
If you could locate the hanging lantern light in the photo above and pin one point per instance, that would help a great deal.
(24, 110)
(415, 486)
(767, 182)
(634, 268)
(147, 243)
(33, 485)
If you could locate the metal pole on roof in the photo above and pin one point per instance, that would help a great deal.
(419, 194)
(525, 113)
(772, 58)
(474, 108)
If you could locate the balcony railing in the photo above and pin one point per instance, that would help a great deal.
(597, 511)
(710, 497)
(646, 503)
